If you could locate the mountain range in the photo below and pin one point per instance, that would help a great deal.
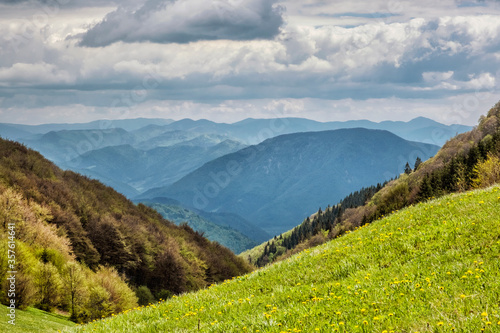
(142, 157)
(280, 181)
(97, 147)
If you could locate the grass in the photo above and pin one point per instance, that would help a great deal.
(434, 267)
(33, 320)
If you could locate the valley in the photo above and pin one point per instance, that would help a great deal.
(329, 273)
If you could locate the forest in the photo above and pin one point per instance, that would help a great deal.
(83, 248)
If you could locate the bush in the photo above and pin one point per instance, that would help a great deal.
(145, 296)
(487, 172)
(164, 294)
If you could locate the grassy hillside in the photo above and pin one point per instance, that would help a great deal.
(428, 268)
(33, 320)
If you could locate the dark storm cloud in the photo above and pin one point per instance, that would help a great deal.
(184, 21)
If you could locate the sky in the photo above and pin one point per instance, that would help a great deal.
(227, 60)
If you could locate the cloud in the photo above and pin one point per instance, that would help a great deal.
(21, 74)
(184, 21)
(437, 76)
(409, 56)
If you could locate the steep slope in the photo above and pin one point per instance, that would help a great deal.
(72, 218)
(280, 181)
(429, 268)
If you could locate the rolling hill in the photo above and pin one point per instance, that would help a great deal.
(432, 267)
(280, 181)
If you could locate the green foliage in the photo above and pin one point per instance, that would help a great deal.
(164, 294)
(144, 295)
(432, 267)
(121, 297)
(487, 172)
(49, 286)
(73, 278)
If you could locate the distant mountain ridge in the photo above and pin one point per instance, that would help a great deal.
(143, 170)
(279, 182)
(103, 124)
(250, 130)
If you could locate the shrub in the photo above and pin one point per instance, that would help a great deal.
(487, 172)
(145, 296)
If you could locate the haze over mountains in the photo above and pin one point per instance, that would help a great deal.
(280, 181)
(154, 159)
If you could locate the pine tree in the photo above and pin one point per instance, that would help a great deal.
(407, 168)
(425, 189)
(418, 161)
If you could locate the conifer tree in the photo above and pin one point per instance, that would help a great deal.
(407, 168)
(418, 161)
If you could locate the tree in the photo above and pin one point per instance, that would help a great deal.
(418, 161)
(487, 172)
(407, 168)
(72, 280)
(144, 296)
(48, 283)
(426, 190)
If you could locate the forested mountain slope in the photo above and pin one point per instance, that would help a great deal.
(280, 181)
(65, 221)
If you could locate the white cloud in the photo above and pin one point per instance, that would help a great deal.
(22, 74)
(480, 82)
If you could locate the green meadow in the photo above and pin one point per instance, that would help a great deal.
(434, 267)
(32, 320)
